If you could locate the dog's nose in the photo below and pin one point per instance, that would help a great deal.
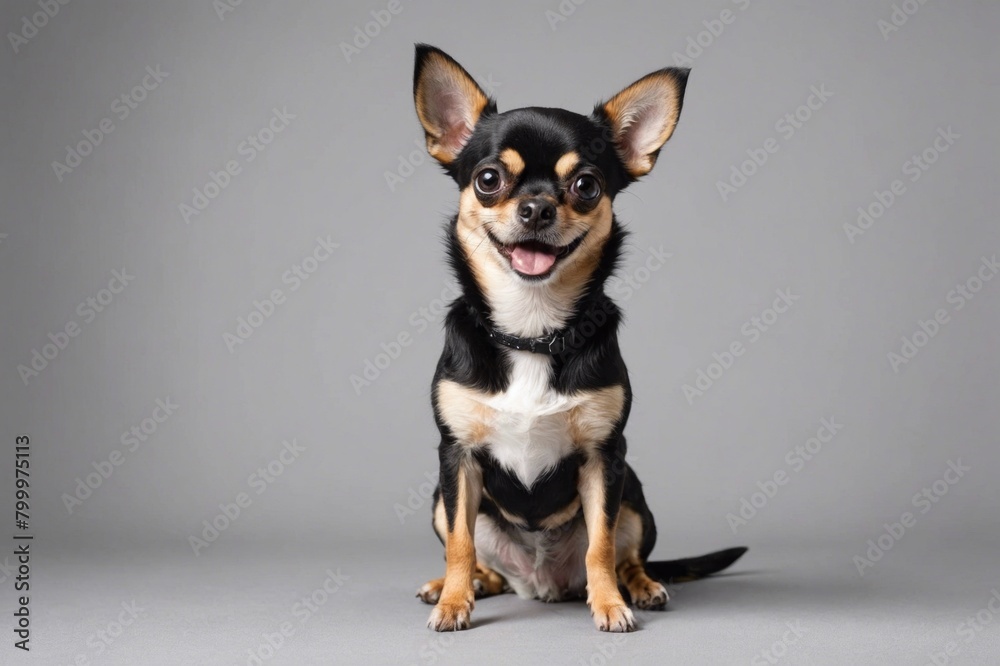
(536, 214)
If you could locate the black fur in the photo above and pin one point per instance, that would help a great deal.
(592, 359)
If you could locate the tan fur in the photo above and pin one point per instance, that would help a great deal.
(440, 520)
(624, 108)
(592, 421)
(507, 515)
(562, 516)
(629, 533)
(460, 551)
(566, 164)
(532, 427)
(439, 71)
(492, 271)
(454, 608)
(485, 581)
(644, 591)
(606, 602)
(473, 220)
(513, 162)
(576, 269)
(462, 409)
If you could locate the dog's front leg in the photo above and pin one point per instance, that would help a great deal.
(461, 490)
(600, 486)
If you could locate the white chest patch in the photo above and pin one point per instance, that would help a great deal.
(531, 424)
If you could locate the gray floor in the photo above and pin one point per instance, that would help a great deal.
(806, 605)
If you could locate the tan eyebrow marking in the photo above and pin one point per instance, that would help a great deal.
(513, 161)
(566, 164)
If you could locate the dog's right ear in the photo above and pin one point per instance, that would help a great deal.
(449, 102)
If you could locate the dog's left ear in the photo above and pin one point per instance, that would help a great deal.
(449, 102)
(643, 116)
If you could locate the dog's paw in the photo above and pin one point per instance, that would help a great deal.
(651, 596)
(430, 592)
(485, 583)
(614, 617)
(449, 616)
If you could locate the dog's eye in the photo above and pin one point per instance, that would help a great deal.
(488, 181)
(586, 187)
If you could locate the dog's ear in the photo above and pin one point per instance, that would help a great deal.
(449, 102)
(643, 116)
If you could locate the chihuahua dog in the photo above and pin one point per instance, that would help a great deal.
(531, 395)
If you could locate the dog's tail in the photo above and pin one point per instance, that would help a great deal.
(693, 568)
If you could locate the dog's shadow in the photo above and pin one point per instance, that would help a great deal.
(757, 590)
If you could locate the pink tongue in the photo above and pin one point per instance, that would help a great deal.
(531, 262)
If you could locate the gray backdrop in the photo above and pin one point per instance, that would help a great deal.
(840, 153)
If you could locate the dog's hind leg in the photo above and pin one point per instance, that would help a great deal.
(645, 592)
(485, 582)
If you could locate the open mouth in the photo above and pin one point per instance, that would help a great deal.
(532, 258)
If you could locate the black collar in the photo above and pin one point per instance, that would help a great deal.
(551, 344)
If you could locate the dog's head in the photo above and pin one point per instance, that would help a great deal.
(537, 184)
